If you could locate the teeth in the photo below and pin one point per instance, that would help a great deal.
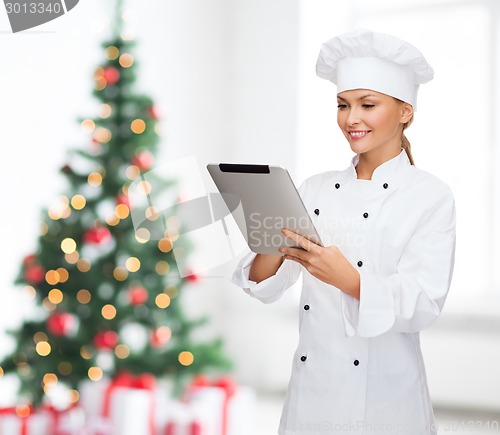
(358, 133)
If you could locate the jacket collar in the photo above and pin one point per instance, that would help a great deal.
(385, 171)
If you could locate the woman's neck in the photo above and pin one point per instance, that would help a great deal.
(369, 161)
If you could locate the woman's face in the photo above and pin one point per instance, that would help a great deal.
(371, 120)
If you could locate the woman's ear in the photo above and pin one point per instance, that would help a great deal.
(406, 113)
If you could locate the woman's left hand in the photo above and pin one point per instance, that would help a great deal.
(327, 264)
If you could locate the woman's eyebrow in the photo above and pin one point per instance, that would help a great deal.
(360, 98)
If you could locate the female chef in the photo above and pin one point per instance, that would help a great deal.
(388, 231)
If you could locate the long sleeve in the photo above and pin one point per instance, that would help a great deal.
(270, 289)
(412, 298)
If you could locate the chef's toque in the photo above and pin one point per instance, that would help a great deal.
(363, 59)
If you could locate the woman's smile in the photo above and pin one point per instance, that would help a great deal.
(358, 134)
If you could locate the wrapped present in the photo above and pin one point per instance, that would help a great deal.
(24, 421)
(123, 406)
(46, 420)
(228, 409)
(69, 421)
(186, 419)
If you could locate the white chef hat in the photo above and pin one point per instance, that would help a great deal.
(363, 59)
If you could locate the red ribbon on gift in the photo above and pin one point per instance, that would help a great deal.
(56, 415)
(194, 428)
(24, 418)
(144, 381)
(228, 386)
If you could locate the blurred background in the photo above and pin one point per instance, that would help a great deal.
(235, 81)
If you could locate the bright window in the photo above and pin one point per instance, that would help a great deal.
(454, 136)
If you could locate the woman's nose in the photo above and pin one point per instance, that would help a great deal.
(353, 118)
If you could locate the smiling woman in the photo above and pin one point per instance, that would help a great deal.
(358, 367)
(373, 124)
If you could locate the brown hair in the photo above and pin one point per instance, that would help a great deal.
(405, 143)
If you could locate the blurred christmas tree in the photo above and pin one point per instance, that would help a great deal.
(107, 297)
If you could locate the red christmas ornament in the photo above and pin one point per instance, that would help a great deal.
(97, 235)
(144, 160)
(106, 340)
(61, 324)
(160, 337)
(111, 75)
(137, 295)
(29, 259)
(153, 112)
(34, 273)
(122, 199)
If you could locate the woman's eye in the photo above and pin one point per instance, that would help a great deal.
(368, 106)
(341, 106)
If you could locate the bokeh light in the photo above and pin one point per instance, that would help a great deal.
(72, 258)
(186, 358)
(52, 277)
(23, 411)
(74, 396)
(102, 135)
(112, 52)
(83, 265)
(132, 172)
(86, 353)
(78, 202)
(133, 264)
(126, 60)
(40, 336)
(122, 351)
(122, 211)
(29, 292)
(84, 296)
(55, 296)
(138, 126)
(142, 235)
(68, 245)
(95, 373)
(165, 245)
(108, 312)
(94, 179)
(50, 379)
(43, 348)
(152, 213)
(162, 300)
(162, 267)
(105, 111)
(120, 273)
(63, 274)
(88, 126)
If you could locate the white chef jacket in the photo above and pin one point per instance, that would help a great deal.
(358, 367)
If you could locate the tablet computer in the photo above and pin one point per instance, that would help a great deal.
(269, 201)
